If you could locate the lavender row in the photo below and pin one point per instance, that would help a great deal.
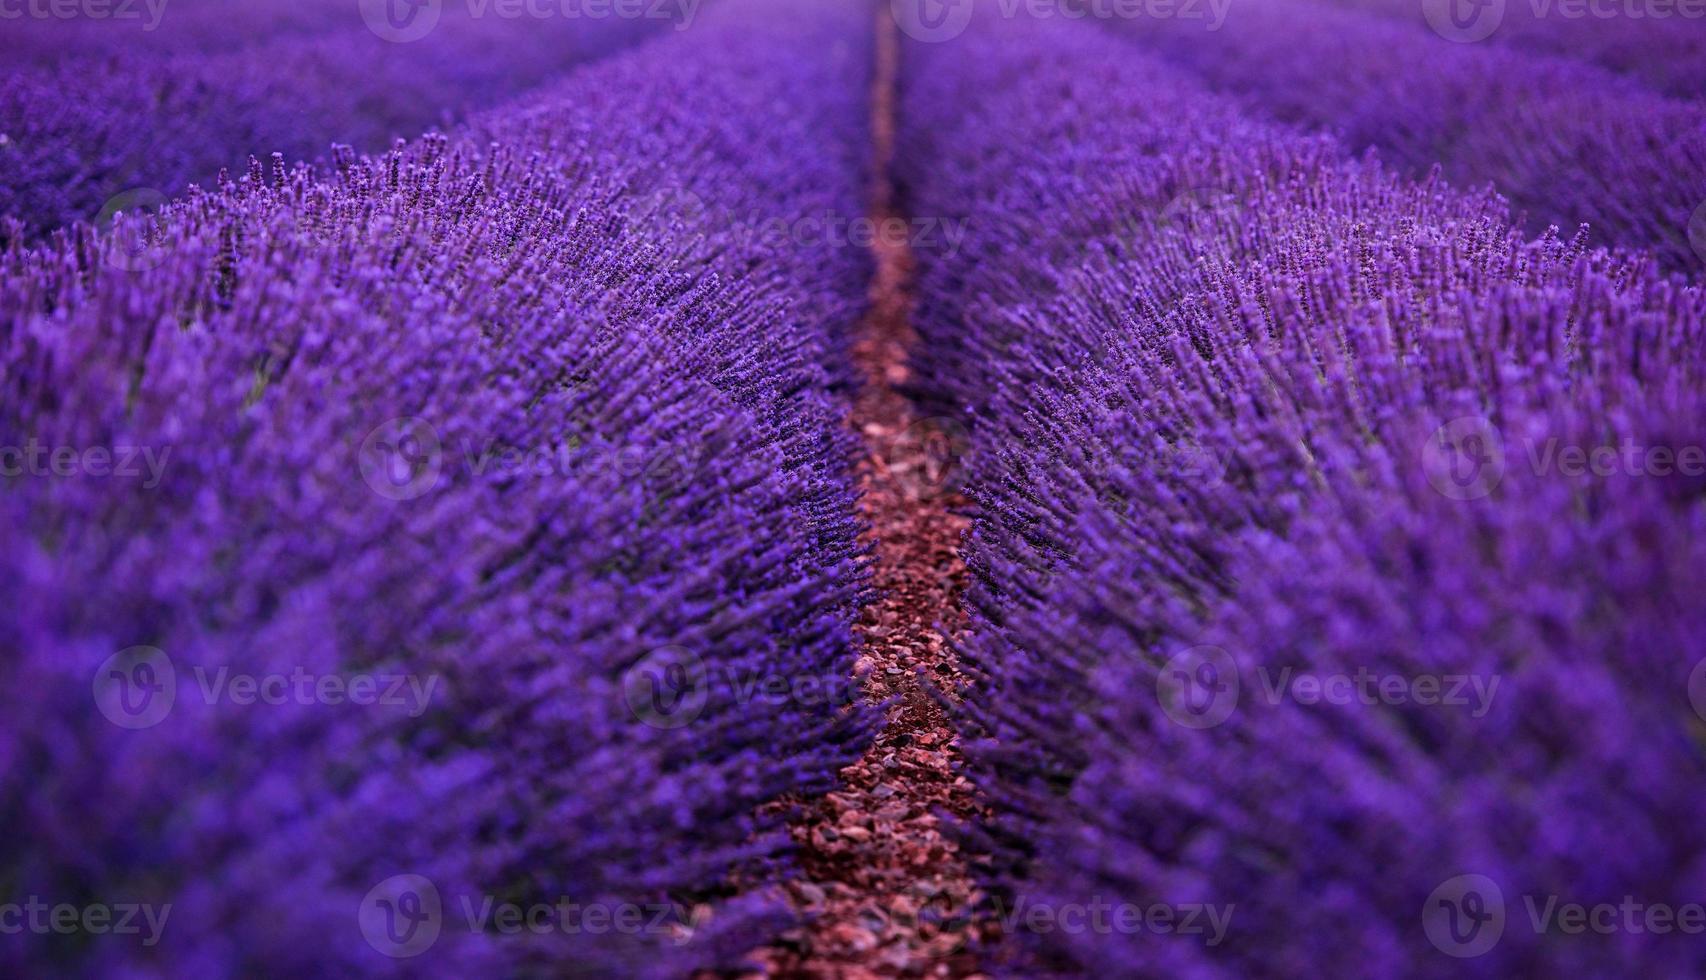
(1661, 42)
(1314, 629)
(1566, 142)
(438, 563)
(87, 135)
(40, 34)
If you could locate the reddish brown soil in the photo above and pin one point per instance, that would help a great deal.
(887, 891)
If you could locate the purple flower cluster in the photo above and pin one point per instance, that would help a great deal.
(85, 132)
(1564, 141)
(1337, 567)
(449, 551)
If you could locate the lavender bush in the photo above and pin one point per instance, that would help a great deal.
(1567, 143)
(523, 415)
(434, 547)
(89, 127)
(1663, 44)
(1236, 398)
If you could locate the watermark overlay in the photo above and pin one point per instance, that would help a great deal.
(1470, 21)
(1697, 689)
(1186, 462)
(401, 916)
(665, 213)
(932, 20)
(1464, 21)
(401, 21)
(1202, 687)
(413, 693)
(130, 222)
(402, 459)
(139, 686)
(1619, 9)
(146, 464)
(1199, 688)
(136, 687)
(1467, 458)
(407, 21)
(943, 236)
(405, 458)
(670, 687)
(1466, 916)
(1201, 214)
(1696, 231)
(661, 213)
(1627, 458)
(1367, 687)
(1191, 462)
(405, 915)
(147, 13)
(1206, 921)
(935, 21)
(928, 459)
(42, 918)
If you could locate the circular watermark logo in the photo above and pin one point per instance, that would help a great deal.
(402, 459)
(132, 248)
(668, 688)
(660, 469)
(1201, 209)
(136, 687)
(1465, 916)
(1465, 458)
(1697, 231)
(1199, 688)
(1193, 463)
(659, 214)
(402, 916)
(671, 469)
(932, 21)
(1697, 689)
(401, 21)
(1464, 21)
(928, 457)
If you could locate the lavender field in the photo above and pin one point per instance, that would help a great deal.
(853, 488)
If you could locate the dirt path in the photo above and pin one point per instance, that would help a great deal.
(889, 892)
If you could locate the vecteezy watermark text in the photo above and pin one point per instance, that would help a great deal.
(138, 687)
(403, 21)
(410, 692)
(670, 687)
(943, 235)
(144, 463)
(1367, 687)
(149, 12)
(658, 214)
(1467, 458)
(1466, 916)
(42, 918)
(404, 915)
(1102, 917)
(944, 20)
(1468, 21)
(1202, 687)
(405, 458)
